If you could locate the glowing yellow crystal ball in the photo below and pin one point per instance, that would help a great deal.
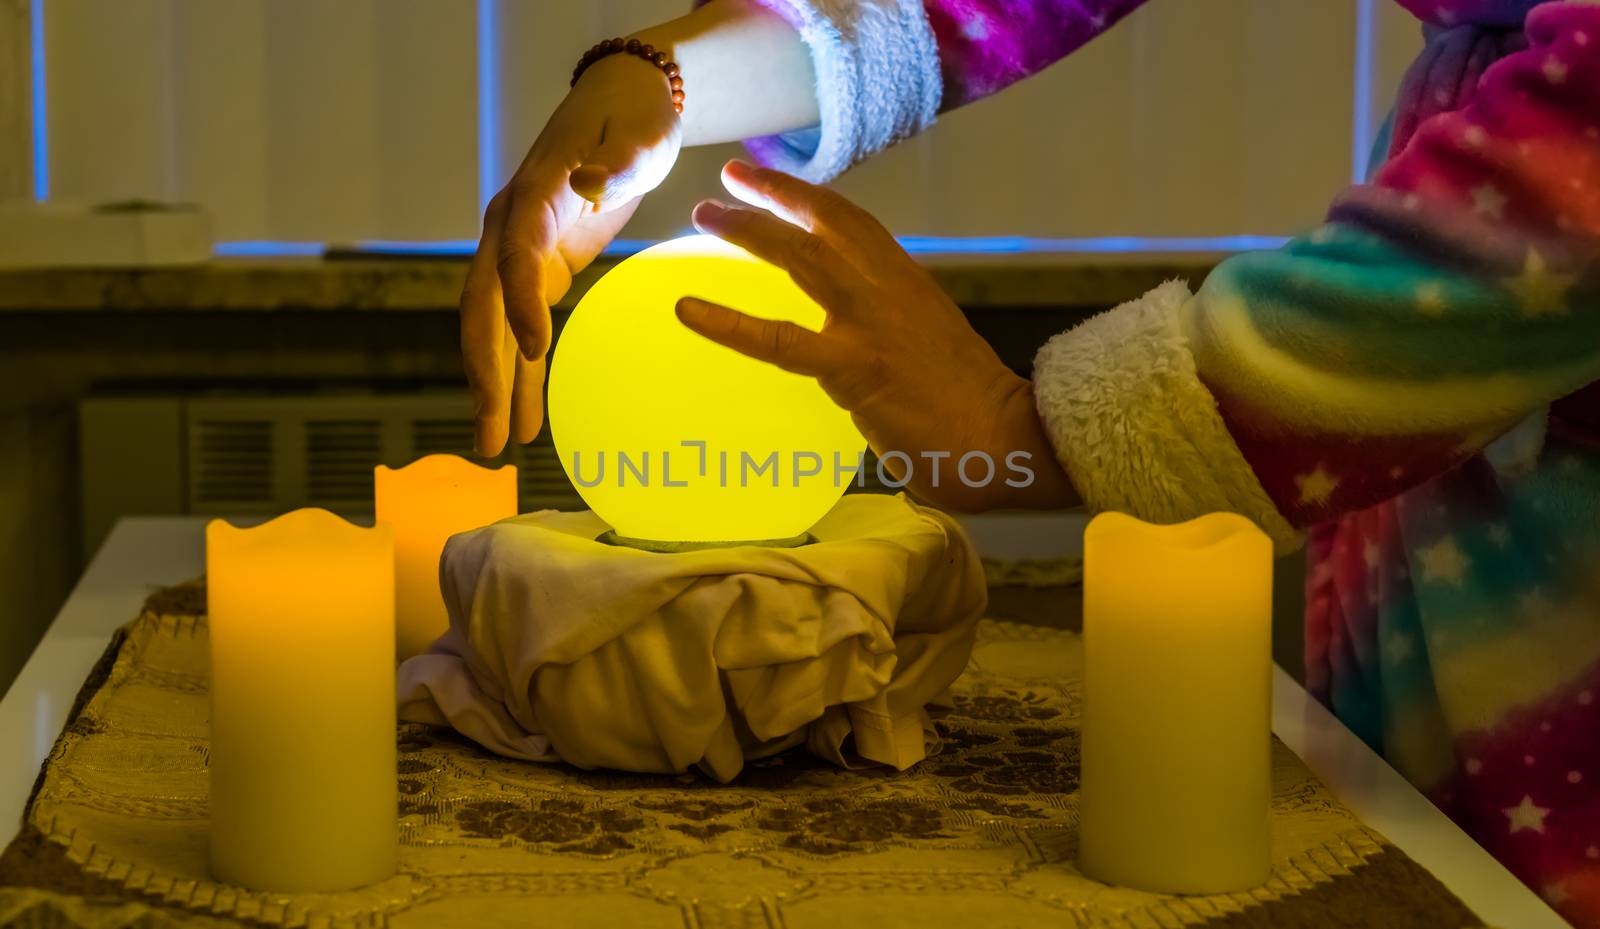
(669, 436)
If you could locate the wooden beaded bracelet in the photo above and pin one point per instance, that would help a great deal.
(637, 49)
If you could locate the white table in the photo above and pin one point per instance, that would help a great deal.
(144, 553)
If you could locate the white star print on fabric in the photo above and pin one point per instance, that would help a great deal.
(1540, 291)
(1556, 894)
(1316, 487)
(1527, 815)
(1489, 201)
(1475, 137)
(1401, 647)
(1371, 555)
(1443, 562)
(1555, 70)
(976, 28)
(1499, 535)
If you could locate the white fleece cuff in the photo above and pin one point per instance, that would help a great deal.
(1135, 428)
(878, 81)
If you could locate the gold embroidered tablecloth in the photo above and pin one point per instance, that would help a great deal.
(981, 834)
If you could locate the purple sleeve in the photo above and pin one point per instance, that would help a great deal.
(885, 69)
(988, 45)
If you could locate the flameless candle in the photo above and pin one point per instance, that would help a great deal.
(1176, 768)
(426, 502)
(303, 767)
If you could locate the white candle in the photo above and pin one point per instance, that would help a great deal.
(427, 502)
(1176, 767)
(303, 763)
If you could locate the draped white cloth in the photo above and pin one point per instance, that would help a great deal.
(561, 647)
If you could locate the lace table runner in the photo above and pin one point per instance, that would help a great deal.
(981, 834)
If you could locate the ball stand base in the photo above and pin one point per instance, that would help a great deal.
(610, 537)
(817, 624)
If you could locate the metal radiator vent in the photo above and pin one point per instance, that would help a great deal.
(451, 436)
(340, 456)
(541, 482)
(265, 453)
(232, 462)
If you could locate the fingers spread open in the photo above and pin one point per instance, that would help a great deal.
(789, 346)
(813, 263)
(483, 337)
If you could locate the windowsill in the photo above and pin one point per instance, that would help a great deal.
(1011, 281)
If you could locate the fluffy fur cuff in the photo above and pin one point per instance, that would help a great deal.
(878, 81)
(1134, 426)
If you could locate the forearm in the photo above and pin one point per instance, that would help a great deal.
(745, 70)
(1024, 473)
(1048, 486)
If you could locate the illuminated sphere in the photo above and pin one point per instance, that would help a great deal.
(630, 384)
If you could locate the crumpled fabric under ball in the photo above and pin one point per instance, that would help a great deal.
(563, 648)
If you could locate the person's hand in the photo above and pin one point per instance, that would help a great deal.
(613, 139)
(895, 351)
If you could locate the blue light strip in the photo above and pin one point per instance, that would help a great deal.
(1026, 245)
(448, 247)
(1362, 131)
(488, 105)
(258, 248)
(41, 126)
(915, 244)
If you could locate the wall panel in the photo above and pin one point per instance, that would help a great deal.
(300, 119)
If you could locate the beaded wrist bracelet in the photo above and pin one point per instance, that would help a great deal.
(639, 50)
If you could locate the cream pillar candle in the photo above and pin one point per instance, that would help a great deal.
(1177, 729)
(427, 502)
(304, 792)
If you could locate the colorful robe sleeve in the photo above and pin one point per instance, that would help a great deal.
(885, 69)
(1438, 306)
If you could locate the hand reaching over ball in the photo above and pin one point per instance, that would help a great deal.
(895, 351)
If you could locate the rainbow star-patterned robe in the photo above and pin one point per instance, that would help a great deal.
(1408, 389)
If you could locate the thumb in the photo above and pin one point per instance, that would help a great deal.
(614, 174)
(590, 180)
